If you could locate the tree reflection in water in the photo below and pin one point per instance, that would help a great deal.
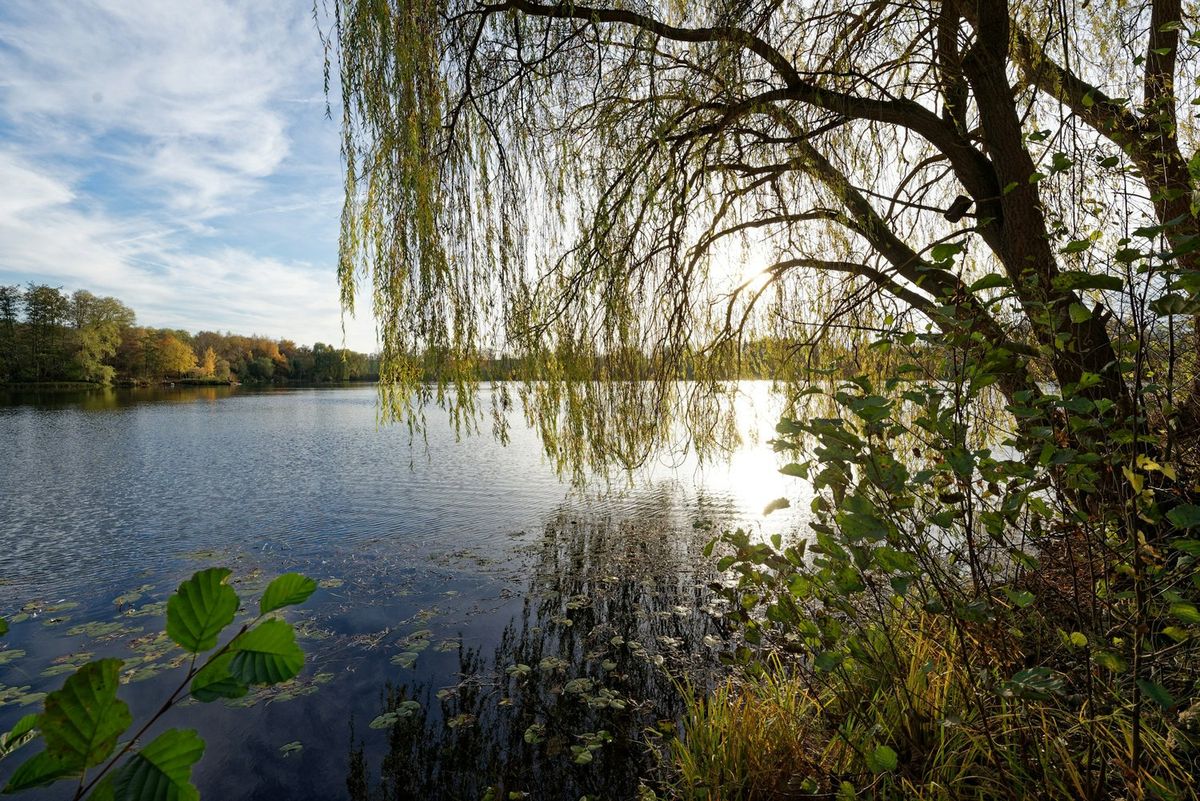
(615, 619)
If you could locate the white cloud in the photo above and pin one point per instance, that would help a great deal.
(190, 92)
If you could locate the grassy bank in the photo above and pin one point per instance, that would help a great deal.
(908, 720)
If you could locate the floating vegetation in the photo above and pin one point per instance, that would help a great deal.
(132, 596)
(19, 696)
(368, 640)
(288, 749)
(10, 654)
(151, 647)
(309, 630)
(406, 659)
(284, 691)
(583, 685)
(103, 631)
(330, 583)
(146, 671)
(156, 609)
(405, 709)
(67, 663)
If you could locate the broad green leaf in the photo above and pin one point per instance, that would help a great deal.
(200, 608)
(1186, 612)
(106, 789)
(20, 734)
(1079, 313)
(267, 654)
(945, 251)
(1037, 683)
(162, 771)
(1078, 279)
(215, 681)
(827, 661)
(990, 281)
(795, 470)
(1021, 598)
(286, 590)
(1156, 693)
(1185, 515)
(3, 627)
(1110, 661)
(882, 760)
(42, 768)
(82, 721)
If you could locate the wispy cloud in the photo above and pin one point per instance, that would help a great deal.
(175, 154)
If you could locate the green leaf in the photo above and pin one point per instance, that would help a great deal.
(1079, 313)
(215, 681)
(990, 281)
(20, 734)
(200, 608)
(106, 790)
(267, 654)
(286, 590)
(1156, 693)
(1078, 279)
(1037, 684)
(1021, 598)
(1110, 661)
(1190, 547)
(162, 771)
(1185, 515)
(882, 760)
(795, 470)
(827, 661)
(945, 251)
(1185, 612)
(3, 627)
(82, 721)
(42, 768)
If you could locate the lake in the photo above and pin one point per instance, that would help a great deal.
(508, 620)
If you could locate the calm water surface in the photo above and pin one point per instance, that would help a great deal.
(443, 568)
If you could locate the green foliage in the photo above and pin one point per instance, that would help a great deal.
(47, 335)
(266, 654)
(201, 607)
(162, 769)
(1031, 591)
(82, 721)
(286, 590)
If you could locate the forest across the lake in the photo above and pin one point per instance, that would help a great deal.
(50, 336)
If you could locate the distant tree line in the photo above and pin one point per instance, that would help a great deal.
(47, 335)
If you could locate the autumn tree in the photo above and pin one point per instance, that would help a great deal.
(208, 365)
(172, 357)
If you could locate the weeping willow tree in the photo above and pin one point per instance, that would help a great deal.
(625, 194)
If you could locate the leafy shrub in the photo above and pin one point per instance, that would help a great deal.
(979, 612)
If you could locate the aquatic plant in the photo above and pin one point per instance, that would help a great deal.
(82, 723)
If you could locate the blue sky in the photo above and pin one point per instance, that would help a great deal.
(174, 154)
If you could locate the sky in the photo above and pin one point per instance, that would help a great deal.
(176, 155)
